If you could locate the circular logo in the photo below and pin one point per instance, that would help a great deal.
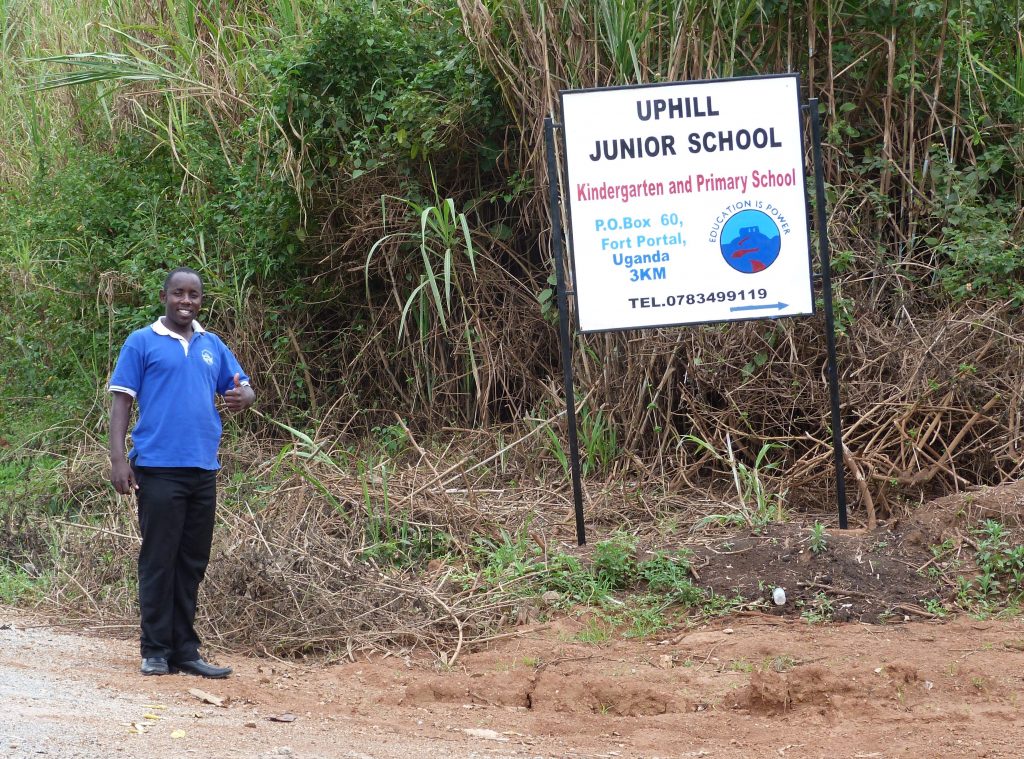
(207, 357)
(750, 241)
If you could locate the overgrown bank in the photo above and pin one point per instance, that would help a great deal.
(362, 187)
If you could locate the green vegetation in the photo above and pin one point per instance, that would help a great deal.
(818, 540)
(598, 441)
(1000, 578)
(782, 663)
(362, 184)
(993, 583)
(818, 610)
(596, 631)
(636, 598)
(17, 585)
(758, 504)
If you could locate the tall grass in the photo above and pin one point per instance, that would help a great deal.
(90, 70)
(431, 306)
(923, 120)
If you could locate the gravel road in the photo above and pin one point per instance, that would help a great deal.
(79, 696)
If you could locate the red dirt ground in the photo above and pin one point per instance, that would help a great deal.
(754, 686)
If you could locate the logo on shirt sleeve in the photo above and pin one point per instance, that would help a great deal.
(207, 357)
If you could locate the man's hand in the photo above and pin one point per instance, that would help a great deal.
(122, 477)
(240, 397)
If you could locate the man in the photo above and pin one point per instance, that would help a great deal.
(173, 368)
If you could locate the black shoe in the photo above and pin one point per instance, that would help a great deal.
(201, 668)
(156, 665)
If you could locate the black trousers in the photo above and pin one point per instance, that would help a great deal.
(176, 515)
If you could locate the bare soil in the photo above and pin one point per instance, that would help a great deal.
(749, 687)
(892, 680)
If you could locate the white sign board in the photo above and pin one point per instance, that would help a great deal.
(687, 203)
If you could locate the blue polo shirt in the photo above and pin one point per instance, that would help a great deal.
(174, 382)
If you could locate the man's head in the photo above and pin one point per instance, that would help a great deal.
(182, 296)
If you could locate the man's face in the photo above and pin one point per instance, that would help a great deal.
(182, 299)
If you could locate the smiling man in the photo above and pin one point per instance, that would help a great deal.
(173, 369)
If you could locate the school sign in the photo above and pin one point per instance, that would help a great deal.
(687, 203)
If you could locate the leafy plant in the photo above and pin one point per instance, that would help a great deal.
(669, 574)
(1000, 570)
(650, 586)
(818, 540)
(509, 556)
(647, 618)
(615, 566)
(781, 663)
(599, 441)
(597, 437)
(443, 232)
(384, 81)
(981, 255)
(392, 439)
(819, 610)
(566, 576)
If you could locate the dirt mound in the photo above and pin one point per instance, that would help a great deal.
(595, 694)
(895, 571)
(849, 575)
(946, 517)
(507, 689)
(771, 692)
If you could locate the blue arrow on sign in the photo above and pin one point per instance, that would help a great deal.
(763, 306)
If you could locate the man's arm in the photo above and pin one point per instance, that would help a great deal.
(121, 475)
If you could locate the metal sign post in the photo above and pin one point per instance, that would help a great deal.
(830, 322)
(563, 330)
